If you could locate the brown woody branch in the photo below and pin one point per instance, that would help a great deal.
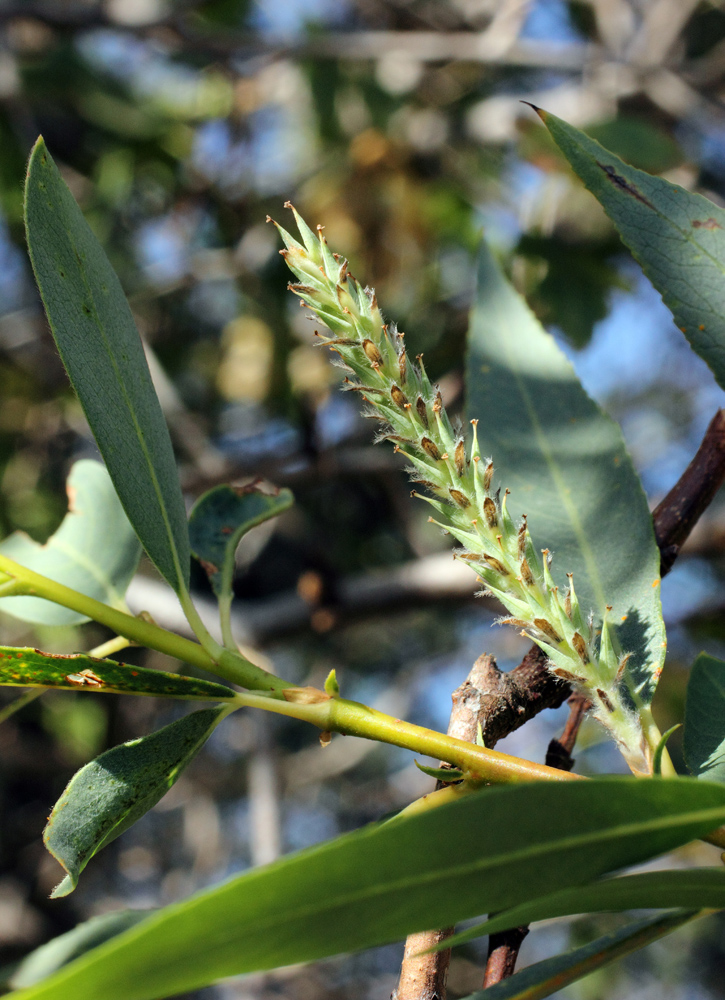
(499, 703)
(676, 516)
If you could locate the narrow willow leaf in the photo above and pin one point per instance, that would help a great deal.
(100, 347)
(568, 470)
(704, 735)
(678, 237)
(553, 974)
(486, 851)
(50, 957)
(694, 888)
(108, 795)
(78, 672)
(94, 551)
(220, 518)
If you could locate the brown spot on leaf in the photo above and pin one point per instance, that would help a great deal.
(624, 184)
(705, 224)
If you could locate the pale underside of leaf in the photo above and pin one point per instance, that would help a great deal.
(566, 465)
(94, 551)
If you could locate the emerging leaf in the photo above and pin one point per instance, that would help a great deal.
(94, 551)
(108, 795)
(78, 672)
(102, 352)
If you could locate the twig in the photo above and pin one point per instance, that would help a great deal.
(559, 751)
(499, 703)
(504, 947)
(676, 516)
(503, 950)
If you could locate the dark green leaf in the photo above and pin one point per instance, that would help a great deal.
(94, 551)
(78, 672)
(704, 735)
(694, 888)
(220, 518)
(678, 237)
(553, 974)
(108, 795)
(50, 957)
(103, 355)
(486, 851)
(566, 465)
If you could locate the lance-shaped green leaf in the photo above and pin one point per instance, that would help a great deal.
(553, 974)
(486, 851)
(50, 957)
(95, 550)
(108, 795)
(78, 672)
(678, 237)
(704, 735)
(220, 518)
(101, 349)
(568, 470)
(693, 888)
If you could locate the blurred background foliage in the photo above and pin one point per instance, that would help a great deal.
(398, 125)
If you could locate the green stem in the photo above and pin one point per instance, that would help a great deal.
(114, 645)
(354, 719)
(232, 666)
(225, 620)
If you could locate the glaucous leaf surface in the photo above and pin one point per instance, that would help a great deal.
(22, 667)
(102, 352)
(95, 550)
(486, 851)
(678, 237)
(566, 465)
(553, 974)
(220, 518)
(694, 888)
(110, 793)
(704, 734)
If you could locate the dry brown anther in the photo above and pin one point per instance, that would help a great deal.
(490, 513)
(430, 448)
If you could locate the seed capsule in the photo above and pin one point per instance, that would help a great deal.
(526, 575)
(495, 564)
(460, 457)
(580, 646)
(489, 512)
(402, 366)
(543, 625)
(487, 477)
(605, 700)
(373, 354)
(399, 397)
(422, 411)
(522, 538)
(567, 604)
(460, 498)
(565, 675)
(431, 449)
